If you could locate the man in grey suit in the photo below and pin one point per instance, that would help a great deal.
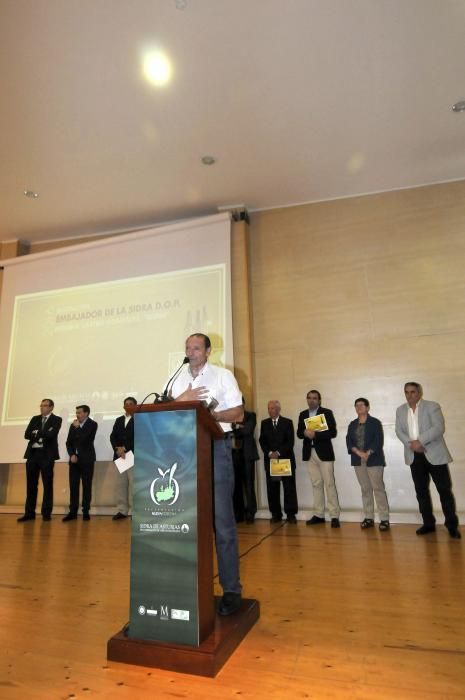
(420, 428)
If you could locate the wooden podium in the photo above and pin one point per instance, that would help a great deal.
(173, 622)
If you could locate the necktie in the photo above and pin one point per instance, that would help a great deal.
(275, 424)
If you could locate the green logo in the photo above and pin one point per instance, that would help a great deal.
(164, 490)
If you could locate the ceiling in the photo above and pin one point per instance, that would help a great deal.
(298, 100)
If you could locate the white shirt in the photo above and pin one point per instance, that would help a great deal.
(412, 419)
(220, 382)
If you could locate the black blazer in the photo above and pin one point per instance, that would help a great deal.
(322, 441)
(80, 441)
(279, 439)
(245, 432)
(122, 436)
(374, 440)
(49, 435)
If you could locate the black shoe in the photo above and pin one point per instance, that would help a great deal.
(455, 534)
(250, 519)
(85, 516)
(315, 520)
(46, 518)
(25, 518)
(335, 522)
(119, 516)
(276, 519)
(367, 523)
(291, 519)
(229, 603)
(424, 529)
(384, 525)
(67, 518)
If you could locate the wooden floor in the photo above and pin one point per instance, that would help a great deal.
(344, 614)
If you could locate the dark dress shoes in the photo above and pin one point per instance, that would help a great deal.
(25, 518)
(315, 520)
(46, 518)
(85, 516)
(119, 516)
(455, 534)
(70, 516)
(335, 522)
(229, 603)
(276, 519)
(250, 519)
(424, 529)
(291, 519)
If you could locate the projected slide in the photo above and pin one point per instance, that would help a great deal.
(98, 343)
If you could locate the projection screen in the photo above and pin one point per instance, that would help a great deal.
(96, 322)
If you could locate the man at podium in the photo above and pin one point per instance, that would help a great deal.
(201, 381)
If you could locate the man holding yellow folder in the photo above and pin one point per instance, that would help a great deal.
(317, 427)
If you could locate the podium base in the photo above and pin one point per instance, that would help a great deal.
(204, 660)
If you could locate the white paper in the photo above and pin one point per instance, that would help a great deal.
(126, 462)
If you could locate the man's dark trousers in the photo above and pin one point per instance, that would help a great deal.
(80, 471)
(39, 464)
(422, 470)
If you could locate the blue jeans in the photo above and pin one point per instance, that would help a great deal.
(227, 552)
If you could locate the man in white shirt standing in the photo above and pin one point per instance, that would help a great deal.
(122, 441)
(201, 381)
(420, 427)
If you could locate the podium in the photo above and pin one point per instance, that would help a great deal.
(173, 622)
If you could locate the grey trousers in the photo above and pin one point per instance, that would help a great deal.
(124, 491)
(371, 482)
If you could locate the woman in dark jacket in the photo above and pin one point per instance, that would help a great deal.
(365, 441)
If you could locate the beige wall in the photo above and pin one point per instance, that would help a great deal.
(354, 297)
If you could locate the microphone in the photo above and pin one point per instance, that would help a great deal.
(166, 396)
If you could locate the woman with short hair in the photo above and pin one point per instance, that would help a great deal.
(365, 441)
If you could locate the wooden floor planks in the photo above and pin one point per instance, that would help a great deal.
(344, 614)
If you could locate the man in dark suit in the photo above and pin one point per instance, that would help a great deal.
(81, 450)
(245, 454)
(317, 450)
(277, 442)
(122, 441)
(41, 453)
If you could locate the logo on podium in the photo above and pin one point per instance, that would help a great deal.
(164, 490)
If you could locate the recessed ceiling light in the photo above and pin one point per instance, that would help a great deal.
(459, 106)
(30, 194)
(180, 4)
(208, 160)
(157, 68)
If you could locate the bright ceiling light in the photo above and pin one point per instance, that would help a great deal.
(157, 68)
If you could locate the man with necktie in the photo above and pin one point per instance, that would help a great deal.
(41, 453)
(81, 450)
(277, 442)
